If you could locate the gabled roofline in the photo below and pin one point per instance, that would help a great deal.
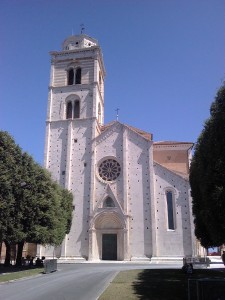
(146, 135)
(179, 174)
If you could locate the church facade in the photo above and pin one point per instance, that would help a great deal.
(131, 194)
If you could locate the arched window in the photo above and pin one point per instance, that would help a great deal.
(108, 202)
(70, 76)
(76, 112)
(170, 210)
(69, 110)
(99, 113)
(78, 76)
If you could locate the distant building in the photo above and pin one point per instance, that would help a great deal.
(131, 194)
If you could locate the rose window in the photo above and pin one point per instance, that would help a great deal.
(109, 169)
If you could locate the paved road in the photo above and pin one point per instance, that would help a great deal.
(70, 282)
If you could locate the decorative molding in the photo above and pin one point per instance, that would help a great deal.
(109, 131)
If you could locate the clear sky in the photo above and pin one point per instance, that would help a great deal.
(165, 60)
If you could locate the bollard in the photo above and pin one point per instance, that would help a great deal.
(50, 265)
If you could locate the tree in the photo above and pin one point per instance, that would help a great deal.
(40, 211)
(207, 177)
(10, 160)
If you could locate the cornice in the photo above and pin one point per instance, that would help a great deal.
(68, 52)
(173, 146)
(71, 88)
(69, 120)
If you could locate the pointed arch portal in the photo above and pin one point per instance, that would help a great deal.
(108, 236)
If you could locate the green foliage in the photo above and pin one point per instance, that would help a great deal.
(10, 160)
(207, 177)
(33, 208)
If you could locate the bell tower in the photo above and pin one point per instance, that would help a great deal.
(77, 80)
(74, 118)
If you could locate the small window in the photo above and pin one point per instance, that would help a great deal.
(76, 114)
(108, 202)
(78, 76)
(100, 78)
(170, 210)
(70, 77)
(69, 110)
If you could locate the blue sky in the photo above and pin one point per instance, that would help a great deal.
(165, 60)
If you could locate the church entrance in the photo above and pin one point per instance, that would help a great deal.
(109, 247)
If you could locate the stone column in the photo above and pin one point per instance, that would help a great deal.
(126, 244)
(92, 238)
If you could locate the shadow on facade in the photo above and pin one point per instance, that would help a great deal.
(143, 161)
(87, 169)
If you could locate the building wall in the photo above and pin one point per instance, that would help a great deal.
(176, 242)
(173, 160)
(60, 71)
(139, 196)
(69, 159)
(75, 148)
(132, 188)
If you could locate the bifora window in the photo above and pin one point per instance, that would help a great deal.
(170, 210)
(109, 169)
(74, 76)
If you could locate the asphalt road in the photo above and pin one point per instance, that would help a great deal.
(71, 282)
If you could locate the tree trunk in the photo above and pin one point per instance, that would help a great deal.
(19, 254)
(8, 254)
(0, 250)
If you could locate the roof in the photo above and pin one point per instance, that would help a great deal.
(78, 41)
(146, 135)
(171, 143)
(166, 145)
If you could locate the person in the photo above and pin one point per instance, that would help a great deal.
(23, 261)
(39, 262)
(223, 257)
(31, 263)
(187, 268)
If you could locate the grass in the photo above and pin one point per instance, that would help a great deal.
(155, 284)
(13, 273)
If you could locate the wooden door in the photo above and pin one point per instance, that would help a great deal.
(109, 247)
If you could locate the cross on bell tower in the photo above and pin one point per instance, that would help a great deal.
(82, 28)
